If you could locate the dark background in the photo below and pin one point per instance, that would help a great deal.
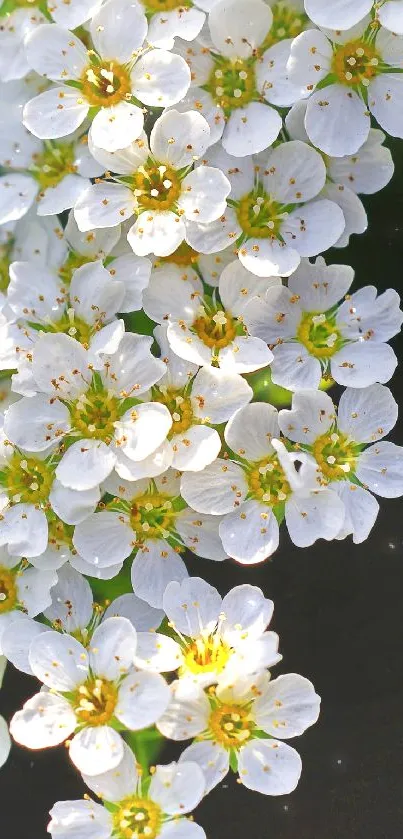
(338, 611)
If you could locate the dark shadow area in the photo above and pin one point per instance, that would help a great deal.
(338, 611)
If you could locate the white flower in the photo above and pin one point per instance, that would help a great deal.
(197, 400)
(168, 19)
(24, 591)
(359, 76)
(258, 486)
(289, 19)
(150, 518)
(188, 264)
(209, 329)
(237, 79)
(111, 78)
(30, 239)
(275, 218)
(72, 608)
(97, 413)
(339, 440)
(158, 185)
(312, 335)
(15, 27)
(229, 725)
(5, 742)
(33, 502)
(89, 689)
(342, 15)
(366, 171)
(217, 638)
(135, 809)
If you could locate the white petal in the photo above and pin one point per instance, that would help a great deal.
(182, 829)
(315, 227)
(262, 422)
(296, 172)
(269, 766)
(236, 29)
(319, 515)
(132, 369)
(204, 193)
(103, 205)
(143, 617)
(340, 14)
(16, 639)
(160, 78)
(74, 13)
(251, 129)
(250, 534)
(201, 534)
(56, 199)
(369, 170)
(56, 53)
(33, 587)
(124, 161)
(320, 286)
(353, 210)
(187, 713)
(90, 819)
(118, 126)
(361, 511)
(275, 317)
(267, 257)
(59, 661)
(337, 120)
(213, 237)
(71, 506)
(195, 448)
(96, 749)
(311, 416)
(237, 286)
(159, 233)
(142, 699)
(96, 245)
(104, 539)
(178, 139)
(17, 194)
(367, 415)
(5, 742)
(45, 720)
(192, 606)
(211, 757)
(118, 29)
(37, 422)
(178, 787)
(55, 113)
(85, 465)
(154, 566)
(24, 530)
(239, 170)
(169, 297)
(71, 600)
(116, 784)
(164, 26)
(95, 293)
(310, 58)
(217, 489)
(144, 429)
(247, 614)
(380, 469)
(112, 649)
(362, 364)
(202, 101)
(294, 368)
(272, 77)
(150, 467)
(216, 395)
(61, 366)
(157, 652)
(287, 707)
(391, 16)
(134, 272)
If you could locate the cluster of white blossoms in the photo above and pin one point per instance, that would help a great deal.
(171, 174)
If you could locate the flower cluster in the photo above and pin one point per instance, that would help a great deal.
(171, 172)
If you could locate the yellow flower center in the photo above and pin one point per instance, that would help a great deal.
(74, 260)
(106, 84)
(336, 456)
(94, 414)
(8, 590)
(156, 187)
(268, 483)
(27, 480)
(259, 216)
(206, 655)
(152, 516)
(231, 725)
(153, 6)
(232, 83)
(178, 406)
(355, 63)
(319, 334)
(217, 329)
(288, 22)
(50, 166)
(94, 702)
(137, 818)
(184, 256)
(60, 535)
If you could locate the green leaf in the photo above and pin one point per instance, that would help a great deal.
(233, 760)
